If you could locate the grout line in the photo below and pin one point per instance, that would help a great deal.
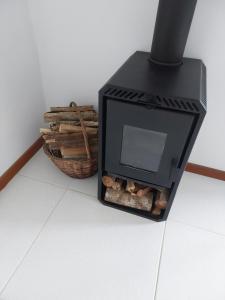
(47, 182)
(197, 227)
(60, 186)
(160, 261)
(32, 243)
(83, 193)
(95, 197)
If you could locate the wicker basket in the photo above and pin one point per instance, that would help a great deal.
(75, 168)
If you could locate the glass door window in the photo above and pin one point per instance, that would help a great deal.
(142, 148)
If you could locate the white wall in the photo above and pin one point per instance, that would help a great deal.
(81, 43)
(21, 96)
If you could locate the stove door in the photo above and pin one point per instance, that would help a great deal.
(145, 144)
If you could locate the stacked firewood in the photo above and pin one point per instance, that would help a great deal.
(135, 195)
(65, 138)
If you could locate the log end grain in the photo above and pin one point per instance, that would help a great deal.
(108, 181)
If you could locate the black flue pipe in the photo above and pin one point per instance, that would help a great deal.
(173, 22)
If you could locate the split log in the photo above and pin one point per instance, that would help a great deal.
(45, 130)
(73, 108)
(126, 199)
(73, 135)
(156, 211)
(72, 144)
(143, 192)
(68, 136)
(77, 123)
(78, 153)
(49, 141)
(117, 185)
(66, 128)
(161, 203)
(69, 142)
(161, 199)
(46, 137)
(130, 186)
(54, 147)
(70, 116)
(108, 181)
(136, 188)
(91, 124)
(54, 126)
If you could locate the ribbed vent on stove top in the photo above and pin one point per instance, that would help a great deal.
(175, 104)
(178, 104)
(123, 94)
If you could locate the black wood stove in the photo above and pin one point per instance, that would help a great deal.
(151, 110)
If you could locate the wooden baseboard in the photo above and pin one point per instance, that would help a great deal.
(14, 169)
(205, 171)
(21, 161)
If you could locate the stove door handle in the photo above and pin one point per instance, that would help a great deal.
(174, 171)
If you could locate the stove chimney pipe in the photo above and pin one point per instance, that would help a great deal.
(172, 27)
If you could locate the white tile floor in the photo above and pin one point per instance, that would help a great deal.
(58, 242)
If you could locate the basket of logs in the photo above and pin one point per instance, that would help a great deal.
(71, 141)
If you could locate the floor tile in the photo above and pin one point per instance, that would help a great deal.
(41, 168)
(24, 207)
(192, 265)
(87, 186)
(200, 201)
(90, 252)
